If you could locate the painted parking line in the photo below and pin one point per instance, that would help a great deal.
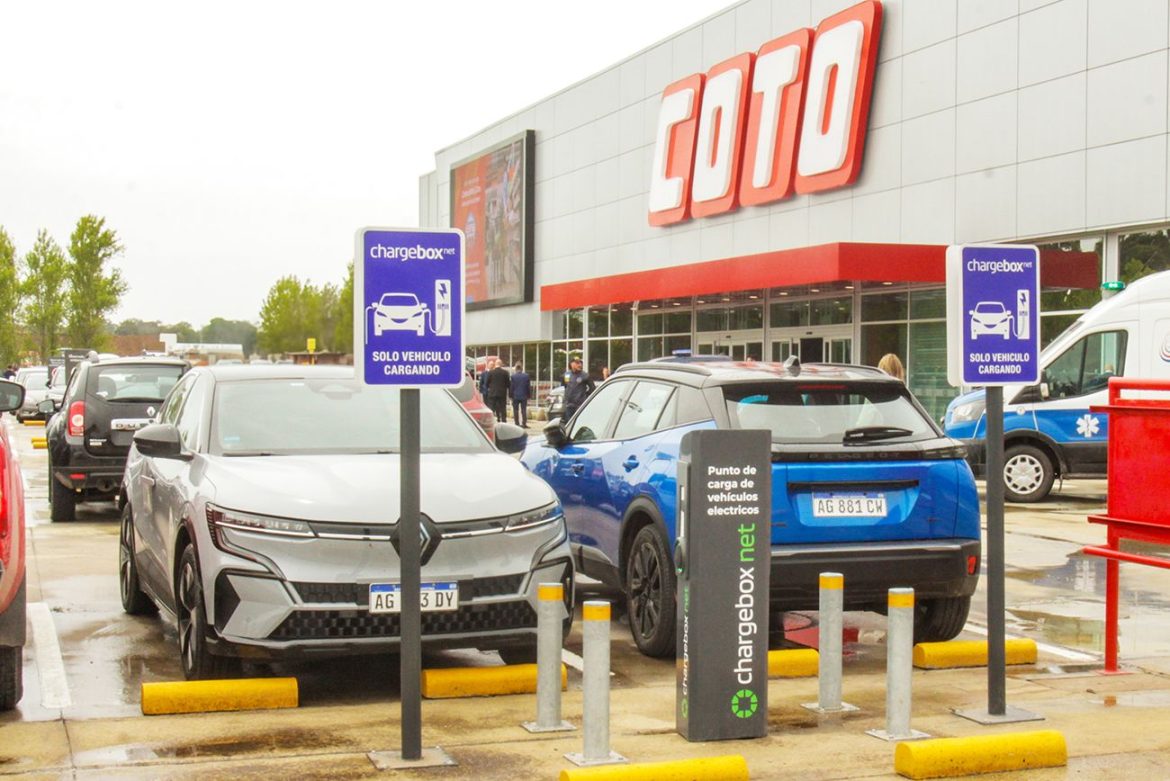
(50, 665)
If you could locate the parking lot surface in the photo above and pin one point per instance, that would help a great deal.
(86, 660)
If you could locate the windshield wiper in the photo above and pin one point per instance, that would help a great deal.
(871, 433)
(238, 453)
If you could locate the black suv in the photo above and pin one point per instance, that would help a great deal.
(105, 403)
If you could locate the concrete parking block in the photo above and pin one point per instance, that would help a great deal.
(449, 682)
(970, 653)
(225, 695)
(949, 757)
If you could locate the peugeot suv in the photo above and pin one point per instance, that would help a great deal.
(863, 483)
(103, 405)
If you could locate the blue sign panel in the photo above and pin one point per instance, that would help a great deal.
(408, 307)
(993, 315)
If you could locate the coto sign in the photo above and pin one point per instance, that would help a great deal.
(758, 127)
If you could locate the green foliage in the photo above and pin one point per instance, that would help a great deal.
(9, 301)
(221, 331)
(343, 330)
(44, 302)
(183, 331)
(294, 311)
(93, 292)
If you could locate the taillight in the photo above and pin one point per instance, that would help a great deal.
(77, 418)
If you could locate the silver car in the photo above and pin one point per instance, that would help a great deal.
(261, 510)
(35, 380)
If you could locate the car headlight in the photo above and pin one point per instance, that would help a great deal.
(550, 513)
(222, 518)
(968, 411)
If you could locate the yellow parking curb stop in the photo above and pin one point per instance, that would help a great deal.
(793, 663)
(40, 443)
(448, 682)
(728, 768)
(220, 695)
(40, 423)
(947, 757)
(970, 653)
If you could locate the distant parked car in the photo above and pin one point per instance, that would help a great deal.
(863, 483)
(468, 395)
(35, 380)
(88, 439)
(212, 532)
(12, 547)
(556, 402)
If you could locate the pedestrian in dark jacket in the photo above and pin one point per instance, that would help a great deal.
(497, 391)
(578, 386)
(520, 390)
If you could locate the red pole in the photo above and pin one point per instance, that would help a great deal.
(1111, 577)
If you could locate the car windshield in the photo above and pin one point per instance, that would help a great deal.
(399, 299)
(856, 413)
(298, 416)
(134, 382)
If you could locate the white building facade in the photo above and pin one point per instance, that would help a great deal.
(1015, 121)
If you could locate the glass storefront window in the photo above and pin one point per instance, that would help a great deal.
(884, 306)
(621, 352)
(928, 304)
(598, 321)
(678, 322)
(649, 348)
(672, 343)
(832, 311)
(745, 317)
(1143, 254)
(575, 319)
(788, 314)
(649, 323)
(881, 338)
(928, 367)
(621, 320)
(598, 356)
(1071, 299)
(711, 320)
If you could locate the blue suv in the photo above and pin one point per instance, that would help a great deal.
(863, 483)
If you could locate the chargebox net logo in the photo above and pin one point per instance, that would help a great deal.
(760, 126)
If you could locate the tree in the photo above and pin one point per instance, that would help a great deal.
(221, 331)
(325, 315)
(284, 320)
(93, 293)
(343, 330)
(46, 274)
(9, 301)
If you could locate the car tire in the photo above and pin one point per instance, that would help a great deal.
(1027, 474)
(134, 601)
(62, 501)
(11, 676)
(940, 619)
(195, 656)
(649, 587)
(521, 653)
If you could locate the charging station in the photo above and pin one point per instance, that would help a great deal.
(723, 560)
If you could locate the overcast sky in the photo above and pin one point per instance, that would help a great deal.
(230, 143)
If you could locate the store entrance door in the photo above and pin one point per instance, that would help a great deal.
(812, 349)
(832, 344)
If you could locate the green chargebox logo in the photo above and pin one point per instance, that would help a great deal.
(744, 704)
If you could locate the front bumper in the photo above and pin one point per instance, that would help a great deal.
(289, 610)
(933, 568)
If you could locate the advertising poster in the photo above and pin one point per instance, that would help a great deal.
(489, 197)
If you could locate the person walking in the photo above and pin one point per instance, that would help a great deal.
(578, 386)
(497, 390)
(520, 389)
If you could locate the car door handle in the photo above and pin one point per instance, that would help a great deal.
(630, 463)
(577, 469)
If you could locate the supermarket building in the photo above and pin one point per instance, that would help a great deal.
(783, 177)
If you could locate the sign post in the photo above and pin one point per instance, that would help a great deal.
(993, 339)
(408, 334)
(723, 558)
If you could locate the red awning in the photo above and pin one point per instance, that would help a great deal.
(844, 262)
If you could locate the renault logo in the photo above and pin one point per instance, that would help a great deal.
(429, 538)
(150, 412)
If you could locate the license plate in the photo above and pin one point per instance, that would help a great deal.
(851, 505)
(433, 597)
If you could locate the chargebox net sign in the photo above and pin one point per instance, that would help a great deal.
(408, 307)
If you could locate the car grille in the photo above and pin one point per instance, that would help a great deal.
(347, 624)
(358, 593)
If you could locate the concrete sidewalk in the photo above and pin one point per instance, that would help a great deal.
(1116, 727)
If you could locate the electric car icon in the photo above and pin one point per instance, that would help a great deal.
(990, 317)
(400, 312)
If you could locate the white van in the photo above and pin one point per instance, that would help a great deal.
(1049, 431)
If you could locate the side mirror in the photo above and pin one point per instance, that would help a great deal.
(47, 406)
(11, 395)
(554, 433)
(511, 438)
(160, 440)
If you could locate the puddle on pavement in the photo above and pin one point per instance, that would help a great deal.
(281, 741)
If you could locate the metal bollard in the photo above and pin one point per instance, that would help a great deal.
(595, 683)
(549, 627)
(832, 625)
(899, 667)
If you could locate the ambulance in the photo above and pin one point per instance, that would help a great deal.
(1050, 432)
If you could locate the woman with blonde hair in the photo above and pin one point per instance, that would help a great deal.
(891, 365)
